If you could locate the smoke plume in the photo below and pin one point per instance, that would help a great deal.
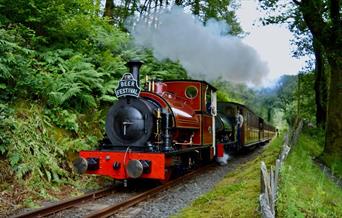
(206, 52)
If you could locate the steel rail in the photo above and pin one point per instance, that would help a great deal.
(110, 210)
(63, 205)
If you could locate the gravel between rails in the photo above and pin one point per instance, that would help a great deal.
(171, 201)
(84, 209)
(119, 196)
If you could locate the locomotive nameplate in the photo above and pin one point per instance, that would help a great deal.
(128, 86)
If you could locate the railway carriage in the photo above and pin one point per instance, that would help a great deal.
(254, 130)
(169, 126)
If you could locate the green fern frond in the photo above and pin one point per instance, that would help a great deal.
(108, 98)
(88, 100)
(72, 91)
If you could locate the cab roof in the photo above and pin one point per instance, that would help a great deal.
(190, 80)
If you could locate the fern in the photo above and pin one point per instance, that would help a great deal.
(33, 151)
(12, 56)
(61, 118)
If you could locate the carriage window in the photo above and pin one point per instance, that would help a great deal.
(191, 92)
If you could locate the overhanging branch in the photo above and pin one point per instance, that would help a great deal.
(314, 19)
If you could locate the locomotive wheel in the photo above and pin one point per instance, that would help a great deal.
(206, 156)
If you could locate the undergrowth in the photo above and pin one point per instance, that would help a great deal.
(36, 151)
(304, 190)
(238, 193)
(334, 162)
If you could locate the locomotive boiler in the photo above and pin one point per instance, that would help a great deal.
(166, 126)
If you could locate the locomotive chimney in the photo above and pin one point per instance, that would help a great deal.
(134, 66)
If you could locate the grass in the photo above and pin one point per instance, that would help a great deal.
(304, 190)
(334, 162)
(238, 193)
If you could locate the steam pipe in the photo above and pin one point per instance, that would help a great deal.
(134, 67)
(167, 135)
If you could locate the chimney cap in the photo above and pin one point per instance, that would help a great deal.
(134, 63)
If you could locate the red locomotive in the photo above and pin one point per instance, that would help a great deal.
(170, 125)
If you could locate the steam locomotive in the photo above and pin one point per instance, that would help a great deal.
(168, 126)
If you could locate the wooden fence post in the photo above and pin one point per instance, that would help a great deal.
(265, 209)
(277, 169)
(272, 201)
(269, 183)
(266, 199)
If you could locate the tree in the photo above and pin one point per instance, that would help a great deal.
(307, 45)
(122, 9)
(285, 96)
(323, 19)
(108, 11)
(326, 27)
(320, 85)
(306, 96)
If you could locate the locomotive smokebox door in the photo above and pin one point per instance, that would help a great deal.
(129, 124)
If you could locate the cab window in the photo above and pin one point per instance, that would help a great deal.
(191, 92)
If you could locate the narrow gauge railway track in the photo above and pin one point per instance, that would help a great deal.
(66, 204)
(111, 210)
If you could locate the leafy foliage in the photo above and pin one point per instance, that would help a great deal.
(287, 99)
(164, 70)
(65, 61)
(5, 124)
(63, 119)
(45, 18)
(59, 65)
(31, 148)
(13, 60)
(120, 10)
(297, 99)
(323, 19)
(37, 150)
(229, 91)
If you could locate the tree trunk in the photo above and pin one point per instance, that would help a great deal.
(333, 143)
(328, 31)
(108, 12)
(320, 85)
(269, 114)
